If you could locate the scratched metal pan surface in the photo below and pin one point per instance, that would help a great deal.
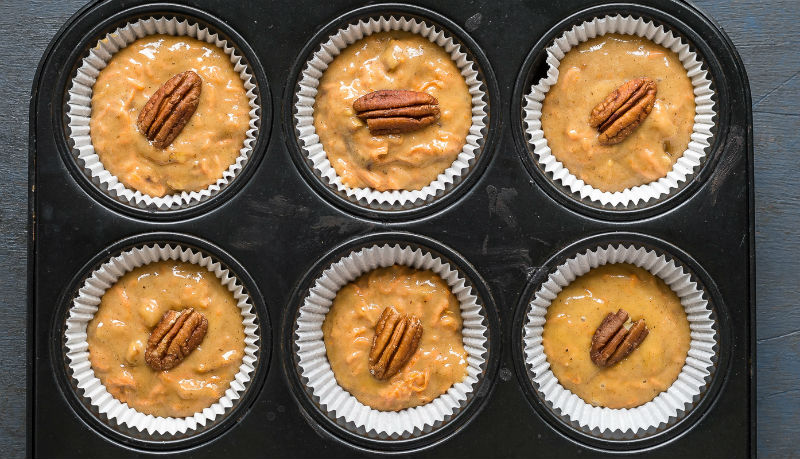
(503, 226)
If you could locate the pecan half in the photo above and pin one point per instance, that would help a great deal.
(166, 113)
(396, 340)
(395, 111)
(175, 336)
(623, 110)
(612, 342)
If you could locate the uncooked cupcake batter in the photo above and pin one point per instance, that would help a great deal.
(391, 60)
(206, 147)
(128, 312)
(578, 310)
(590, 72)
(349, 327)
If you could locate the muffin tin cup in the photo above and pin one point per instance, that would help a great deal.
(79, 109)
(85, 304)
(654, 418)
(314, 152)
(314, 372)
(702, 131)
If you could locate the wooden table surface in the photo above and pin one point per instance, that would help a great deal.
(762, 30)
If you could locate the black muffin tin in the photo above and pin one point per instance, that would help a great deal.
(506, 226)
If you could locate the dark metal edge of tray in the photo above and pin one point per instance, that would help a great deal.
(31, 230)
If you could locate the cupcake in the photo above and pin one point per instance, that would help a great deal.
(620, 341)
(391, 342)
(634, 327)
(166, 343)
(625, 112)
(393, 338)
(396, 111)
(170, 111)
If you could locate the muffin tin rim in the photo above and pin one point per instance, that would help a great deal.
(120, 17)
(113, 431)
(707, 398)
(329, 426)
(685, 191)
(487, 148)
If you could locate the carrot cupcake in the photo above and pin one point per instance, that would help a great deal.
(391, 341)
(390, 111)
(624, 115)
(620, 341)
(162, 339)
(163, 113)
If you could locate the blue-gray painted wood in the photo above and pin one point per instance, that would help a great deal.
(762, 30)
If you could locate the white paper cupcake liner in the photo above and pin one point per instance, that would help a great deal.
(701, 135)
(304, 110)
(316, 370)
(86, 304)
(668, 405)
(80, 110)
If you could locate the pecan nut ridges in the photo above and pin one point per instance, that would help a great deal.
(166, 113)
(176, 335)
(395, 111)
(612, 342)
(623, 110)
(396, 340)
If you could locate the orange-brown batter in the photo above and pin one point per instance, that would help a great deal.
(349, 327)
(578, 310)
(128, 312)
(206, 147)
(391, 60)
(590, 72)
